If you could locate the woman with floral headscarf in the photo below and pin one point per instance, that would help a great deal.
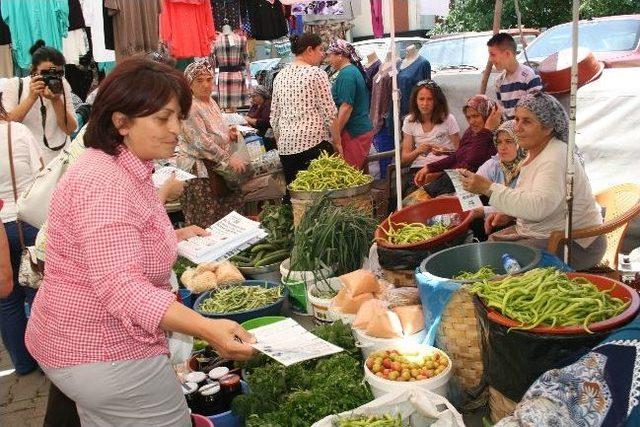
(537, 202)
(476, 147)
(352, 99)
(205, 150)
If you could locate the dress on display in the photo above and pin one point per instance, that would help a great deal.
(418, 70)
(230, 56)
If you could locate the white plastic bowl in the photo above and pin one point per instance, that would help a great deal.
(438, 385)
(369, 344)
(305, 276)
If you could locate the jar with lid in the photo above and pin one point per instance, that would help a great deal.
(230, 387)
(209, 400)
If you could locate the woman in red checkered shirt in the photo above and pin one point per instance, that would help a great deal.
(98, 322)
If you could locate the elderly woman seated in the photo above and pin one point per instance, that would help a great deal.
(258, 115)
(536, 204)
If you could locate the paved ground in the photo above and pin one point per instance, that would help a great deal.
(23, 399)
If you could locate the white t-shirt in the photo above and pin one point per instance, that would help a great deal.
(26, 162)
(33, 119)
(439, 135)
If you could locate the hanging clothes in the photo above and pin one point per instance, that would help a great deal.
(380, 96)
(135, 25)
(187, 28)
(29, 21)
(318, 11)
(418, 70)
(370, 72)
(231, 57)
(94, 19)
(107, 20)
(226, 12)
(76, 17)
(376, 18)
(329, 32)
(75, 45)
(267, 19)
(245, 18)
(6, 59)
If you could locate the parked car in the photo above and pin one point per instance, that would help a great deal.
(381, 46)
(262, 65)
(614, 40)
(466, 50)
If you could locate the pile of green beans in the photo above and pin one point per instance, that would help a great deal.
(546, 296)
(486, 272)
(329, 172)
(240, 298)
(370, 421)
(403, 233)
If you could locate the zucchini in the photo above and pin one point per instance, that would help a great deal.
(280, 255)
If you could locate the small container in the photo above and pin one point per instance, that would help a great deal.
(510, 264)
(209, 400)
(200, 378)
(230, 388)
(219, 372)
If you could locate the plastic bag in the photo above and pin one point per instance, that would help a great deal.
(180, 347)
(435, 293)
(417, 407)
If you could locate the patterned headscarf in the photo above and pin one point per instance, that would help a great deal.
(200, 66)
(549, 112)
(341, 47)
(262, 91)
(511, 169)
(481, 104)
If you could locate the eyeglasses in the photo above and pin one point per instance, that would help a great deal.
(427, 83)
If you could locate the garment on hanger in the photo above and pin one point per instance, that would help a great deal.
(93, 17)
(230, 56)
(245, 19)
(26, 23)
(316, 11)
(226, 12)
(329, 32)
(376, 18)
(76, 18)
(109, 38)
(371, 70)
(267, 19)
(187, 28)
(380, 96)
(418, 70)
(75, 45)
(135, 25)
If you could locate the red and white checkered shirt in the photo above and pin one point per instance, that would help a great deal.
(110, 247)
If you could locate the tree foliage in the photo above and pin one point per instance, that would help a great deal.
(477, 15)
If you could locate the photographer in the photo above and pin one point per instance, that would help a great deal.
(42, 101)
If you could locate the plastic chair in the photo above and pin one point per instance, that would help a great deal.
(621, 204)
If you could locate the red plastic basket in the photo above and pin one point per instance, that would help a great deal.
(421, 212)
(620, 290)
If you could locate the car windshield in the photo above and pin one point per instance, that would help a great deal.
(597, 36)
(443, 53)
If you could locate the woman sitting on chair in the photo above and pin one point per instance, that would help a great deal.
(536, 204)
(476, 147)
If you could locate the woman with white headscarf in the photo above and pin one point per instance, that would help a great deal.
(205, 150)
(537, 202)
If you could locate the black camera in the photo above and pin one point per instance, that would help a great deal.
(53, 79)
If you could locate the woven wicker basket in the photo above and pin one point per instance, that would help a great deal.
(400, 278)
(362, 202)
(500, 406)
(459, 337)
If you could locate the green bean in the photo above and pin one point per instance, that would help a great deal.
(485, 272)
(404, 233)
(545, 296)
(329, 172)
(240, 298)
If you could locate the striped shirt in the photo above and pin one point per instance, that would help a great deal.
(510, 88)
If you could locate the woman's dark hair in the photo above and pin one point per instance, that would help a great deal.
(3, 112)
(41, 53)
(300, 43)
(137, 87)
(440, 107)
